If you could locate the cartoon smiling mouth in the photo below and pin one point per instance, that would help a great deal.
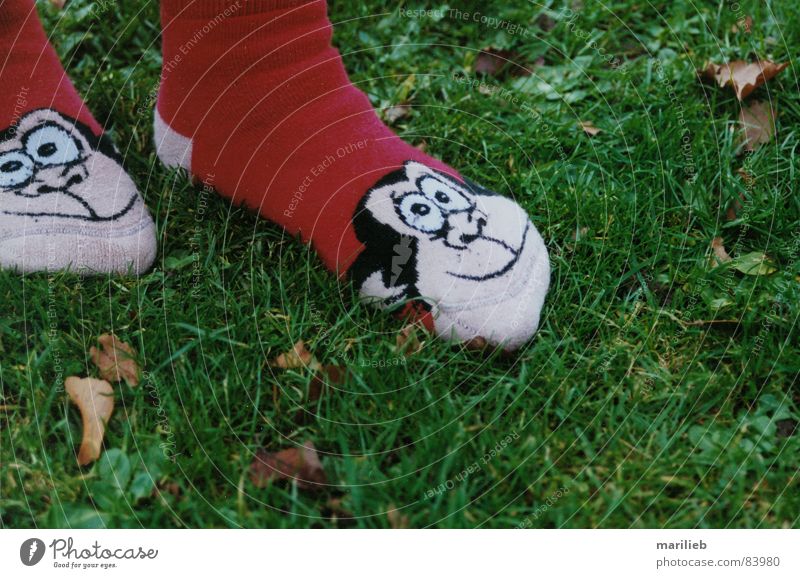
(91, 214)
(52, 166)
(489, 244)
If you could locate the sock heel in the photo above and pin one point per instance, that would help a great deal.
(173, 149)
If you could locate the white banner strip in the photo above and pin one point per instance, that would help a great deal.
(402, 553)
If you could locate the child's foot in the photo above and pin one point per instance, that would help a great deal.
(256, 101)
(65, 200)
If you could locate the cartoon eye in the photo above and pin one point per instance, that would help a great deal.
(15, 168)
(52, 145)
(448, 198)
(420, 213)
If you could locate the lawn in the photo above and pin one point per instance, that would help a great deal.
(661, 389)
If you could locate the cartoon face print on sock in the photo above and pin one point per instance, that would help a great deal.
(429, 235)
(54, 166)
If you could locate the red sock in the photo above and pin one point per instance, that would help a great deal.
(32, 75)
(65, 201)
(256, 101)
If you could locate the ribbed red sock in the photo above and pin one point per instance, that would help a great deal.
(65, 201)
(31, 75)
(255, 101)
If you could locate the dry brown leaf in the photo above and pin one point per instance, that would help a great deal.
(589, 128)
(324, 376)
(171, 488)
(787, 427)
(95, 400)
(297, 357)
(743, 77)
(492, 62)
(300, 464)
(408, 339)
(545, 22)
(732, 213)
(579, 233)
(758, 124)
(335, 509)
(116, 360)
(476, 344)
(333, 375)
(58, 3)
(749, 180)
(397, 520)
(720, 254)
(316, 388)
(745, 24)
(397, 112)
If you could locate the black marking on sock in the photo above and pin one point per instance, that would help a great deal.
(504, 270)
(97, 144)
(380, 254)
(92, 217)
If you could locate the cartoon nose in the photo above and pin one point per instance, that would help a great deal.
(465, 227)
(58, 179)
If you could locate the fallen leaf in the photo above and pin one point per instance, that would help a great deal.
(749, 180)
(786, 427)
(407, 340)
(492, 62)
(476, 344)
(58, 3)
(95, 400)
(718, 248)
(168, 488)
(758, 123)
(334, 376)
(754, 263)
(589, 128)
(324, 376)
(299, 356)
(397, 520)
(300, 464)
(397, 112)
(579, 233)
(742, 76)
(319, 386)
(334, 373)
(545, 22)
(732, 213)
(335, 509)
(315, 389)
(745, 24)
(116, 360)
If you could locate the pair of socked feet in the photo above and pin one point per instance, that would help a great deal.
(255, 101)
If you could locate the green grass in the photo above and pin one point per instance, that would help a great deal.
(626, 410)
